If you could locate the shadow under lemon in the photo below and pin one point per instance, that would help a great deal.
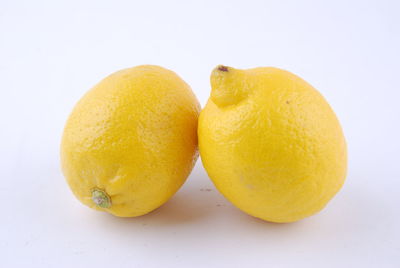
(198, 201)
(195, 202)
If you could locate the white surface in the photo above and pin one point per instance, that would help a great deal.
(52, 52)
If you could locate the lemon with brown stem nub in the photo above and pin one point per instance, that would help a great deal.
(271, 143)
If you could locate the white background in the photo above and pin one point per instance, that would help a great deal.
(51, 52)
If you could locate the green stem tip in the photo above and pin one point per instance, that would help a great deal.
(101, 198)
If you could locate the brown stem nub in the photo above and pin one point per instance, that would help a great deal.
(223, 68)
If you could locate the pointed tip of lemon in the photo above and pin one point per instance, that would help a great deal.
(227, 86)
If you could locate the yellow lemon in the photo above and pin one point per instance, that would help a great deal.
(131, 141)
(271, 143)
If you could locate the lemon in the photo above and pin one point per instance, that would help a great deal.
(131, 141)
(271, 143)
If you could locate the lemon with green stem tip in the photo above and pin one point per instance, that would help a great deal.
(131, 141)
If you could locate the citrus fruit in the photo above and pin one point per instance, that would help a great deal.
(131, 141)
(271, 143)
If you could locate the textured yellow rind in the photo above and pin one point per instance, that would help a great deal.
(271, 143)
(134, 135)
